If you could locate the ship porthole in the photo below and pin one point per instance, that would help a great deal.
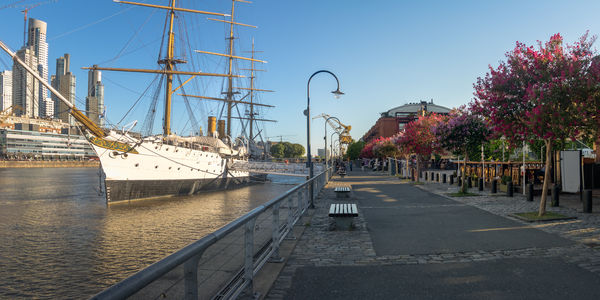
(137, 165)
(169, 168)
(113, 154)
(156, 167)
(124, 156)
(178, 168)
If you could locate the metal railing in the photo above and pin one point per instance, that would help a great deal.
(223, 264)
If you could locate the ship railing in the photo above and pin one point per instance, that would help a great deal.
(223, 264)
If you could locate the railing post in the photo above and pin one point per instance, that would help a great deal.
(249, 256)
(290, 219)
(190, 269)
(301, 195)
(275, 234)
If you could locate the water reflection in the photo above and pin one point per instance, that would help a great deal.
(60, 240)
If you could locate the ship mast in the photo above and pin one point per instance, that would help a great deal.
(230, 72)
(169, 61)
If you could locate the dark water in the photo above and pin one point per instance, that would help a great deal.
(58, 239)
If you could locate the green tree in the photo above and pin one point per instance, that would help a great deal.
(354, 150)
(297, 150)
(278, 150)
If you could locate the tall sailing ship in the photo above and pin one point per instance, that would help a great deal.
(140, 167)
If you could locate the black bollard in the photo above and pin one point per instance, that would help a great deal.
(587, 201)
(443, 178)
(459, 181)
(555, 199)
(469, 182)
(494, 186)
(529, 192)
(509, 189)
(451, 179)
(437, 177)
(481, 184)
(425, 176)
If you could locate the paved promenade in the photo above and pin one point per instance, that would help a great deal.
(414, 242)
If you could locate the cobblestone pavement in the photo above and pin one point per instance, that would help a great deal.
(321, 246)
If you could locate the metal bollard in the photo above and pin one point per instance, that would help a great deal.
(529, 192)
(509, 189)
(443, 178)
(459, 181)
(451, 179)
(425, 176)
(494, 186)
(587, 201)
(555, 197)
(469, 182)
(437, 177)
(481, 184)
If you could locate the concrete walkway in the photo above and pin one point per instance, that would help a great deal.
(414, 242)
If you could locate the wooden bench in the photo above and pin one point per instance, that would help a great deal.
(342, 191)
(343, 215)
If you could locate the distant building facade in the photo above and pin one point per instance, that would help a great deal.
(49, 108)
(6, 90)
(64, 82)
(393, 121)
(94, 102)
(23, 144)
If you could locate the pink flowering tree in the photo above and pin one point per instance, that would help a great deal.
(539, 93)
(461, 132)
(419, 138)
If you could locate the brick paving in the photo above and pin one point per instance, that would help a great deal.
(321, 246)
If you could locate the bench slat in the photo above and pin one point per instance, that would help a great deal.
(343, 210)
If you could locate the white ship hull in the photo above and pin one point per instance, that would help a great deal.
(157, 169)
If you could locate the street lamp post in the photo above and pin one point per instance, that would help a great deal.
(325, 148)
(331, 144)
(337, 93)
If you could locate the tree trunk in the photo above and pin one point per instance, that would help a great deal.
(546, 177)
(418, 160)
(464, 187)
(407, 169)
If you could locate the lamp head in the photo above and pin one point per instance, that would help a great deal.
(337, 93)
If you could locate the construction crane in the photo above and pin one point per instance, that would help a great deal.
(342, 129)
(280, 137)
(26, 8)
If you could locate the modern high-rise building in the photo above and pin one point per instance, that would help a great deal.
(28, 93)
(25, 86)
(64, 81)
(94, 102)
(5, 90)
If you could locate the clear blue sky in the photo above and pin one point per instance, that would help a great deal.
(385, 53)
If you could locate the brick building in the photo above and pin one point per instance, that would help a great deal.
(393, 121)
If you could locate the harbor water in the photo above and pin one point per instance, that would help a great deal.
(60, 240)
